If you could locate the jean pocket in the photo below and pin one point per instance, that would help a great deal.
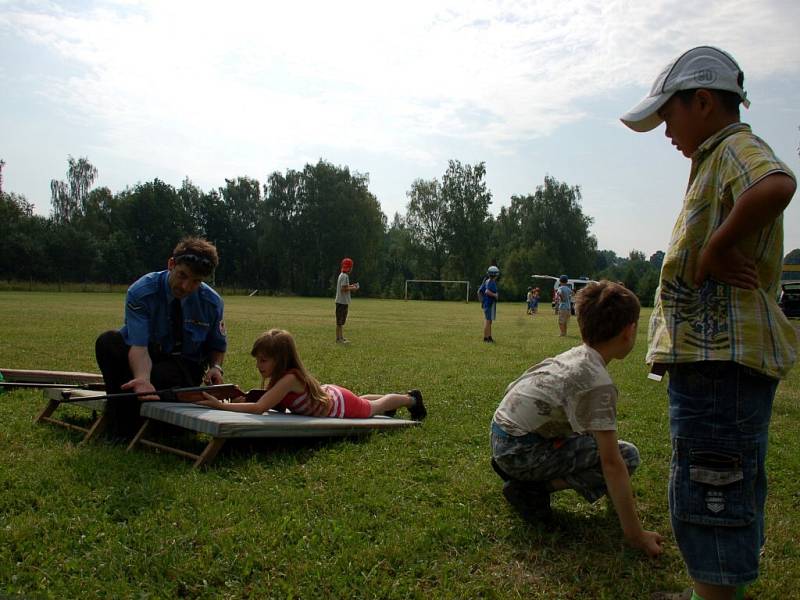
(713, 482)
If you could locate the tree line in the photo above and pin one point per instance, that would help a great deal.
(288, 235)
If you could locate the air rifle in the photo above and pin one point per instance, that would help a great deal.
(225, 391)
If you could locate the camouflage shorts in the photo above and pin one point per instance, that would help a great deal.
(574, 459)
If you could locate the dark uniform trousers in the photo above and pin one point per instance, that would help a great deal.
(168, 371)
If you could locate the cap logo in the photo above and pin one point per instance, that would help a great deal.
(705, 76)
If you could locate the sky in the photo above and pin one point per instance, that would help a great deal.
(171, 89)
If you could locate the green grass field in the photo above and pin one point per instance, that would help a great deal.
(408, 514)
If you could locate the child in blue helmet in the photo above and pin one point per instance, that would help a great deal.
(488, 293)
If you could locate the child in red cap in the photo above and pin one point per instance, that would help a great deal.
(343, 289)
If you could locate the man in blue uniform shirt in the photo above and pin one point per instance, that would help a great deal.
(173, 336)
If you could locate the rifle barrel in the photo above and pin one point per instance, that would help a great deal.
(166, 395)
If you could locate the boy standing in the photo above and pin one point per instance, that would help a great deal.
(556, 427)
(343, 289)
(716, 326)
(489, 293)
(563, 303)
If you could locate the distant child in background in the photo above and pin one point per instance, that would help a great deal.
(488, 294)
(289, 386)
(343, 289)
(556, 427)
(563, 303)
(716, 327)
(529, 301)
(535, 301)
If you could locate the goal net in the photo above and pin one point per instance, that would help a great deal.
(436, 289)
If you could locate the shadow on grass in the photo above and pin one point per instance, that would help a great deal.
(580, 547)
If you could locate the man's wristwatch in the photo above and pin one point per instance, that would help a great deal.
(218, 367)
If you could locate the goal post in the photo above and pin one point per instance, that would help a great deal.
(442, 281)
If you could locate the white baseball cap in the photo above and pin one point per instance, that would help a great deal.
(702, 67)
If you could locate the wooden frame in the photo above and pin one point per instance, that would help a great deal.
(97, 407)
(206, 456)
(222, 425)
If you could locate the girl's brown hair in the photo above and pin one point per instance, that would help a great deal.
(279, 345)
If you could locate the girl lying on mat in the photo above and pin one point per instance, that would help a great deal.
(292, 387)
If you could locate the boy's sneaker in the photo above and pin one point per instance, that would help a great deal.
(417, 411)
(530, 499)
(684, 595)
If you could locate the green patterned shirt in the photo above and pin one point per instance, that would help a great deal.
(717, 321)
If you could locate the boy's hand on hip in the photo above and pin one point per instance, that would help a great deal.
(728, 265)
(649, 542)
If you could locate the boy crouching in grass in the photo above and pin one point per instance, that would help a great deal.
(556, 427)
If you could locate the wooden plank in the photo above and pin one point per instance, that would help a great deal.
(64, 424)
(53, 396)
(210, 452)
(170, 449)
(39, 376)
(138, 435)
(96, 429)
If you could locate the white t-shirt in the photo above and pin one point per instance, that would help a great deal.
(342, 297)
(571, 392)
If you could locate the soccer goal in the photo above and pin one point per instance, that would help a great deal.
(439, 281)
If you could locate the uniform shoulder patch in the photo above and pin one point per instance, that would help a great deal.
(135, 306)
(222, 328)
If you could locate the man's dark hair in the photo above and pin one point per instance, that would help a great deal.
(198, 254)
(604, 309)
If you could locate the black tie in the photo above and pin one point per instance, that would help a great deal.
(176, 314)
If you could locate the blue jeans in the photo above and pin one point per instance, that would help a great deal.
(719, 423)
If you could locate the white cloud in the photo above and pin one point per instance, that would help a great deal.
(376, 74)
(216, 89)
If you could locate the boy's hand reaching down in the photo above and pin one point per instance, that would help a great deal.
(649, 542)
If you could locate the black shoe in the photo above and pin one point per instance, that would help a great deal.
(531, 500)
(490, 339)
(417, 411)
